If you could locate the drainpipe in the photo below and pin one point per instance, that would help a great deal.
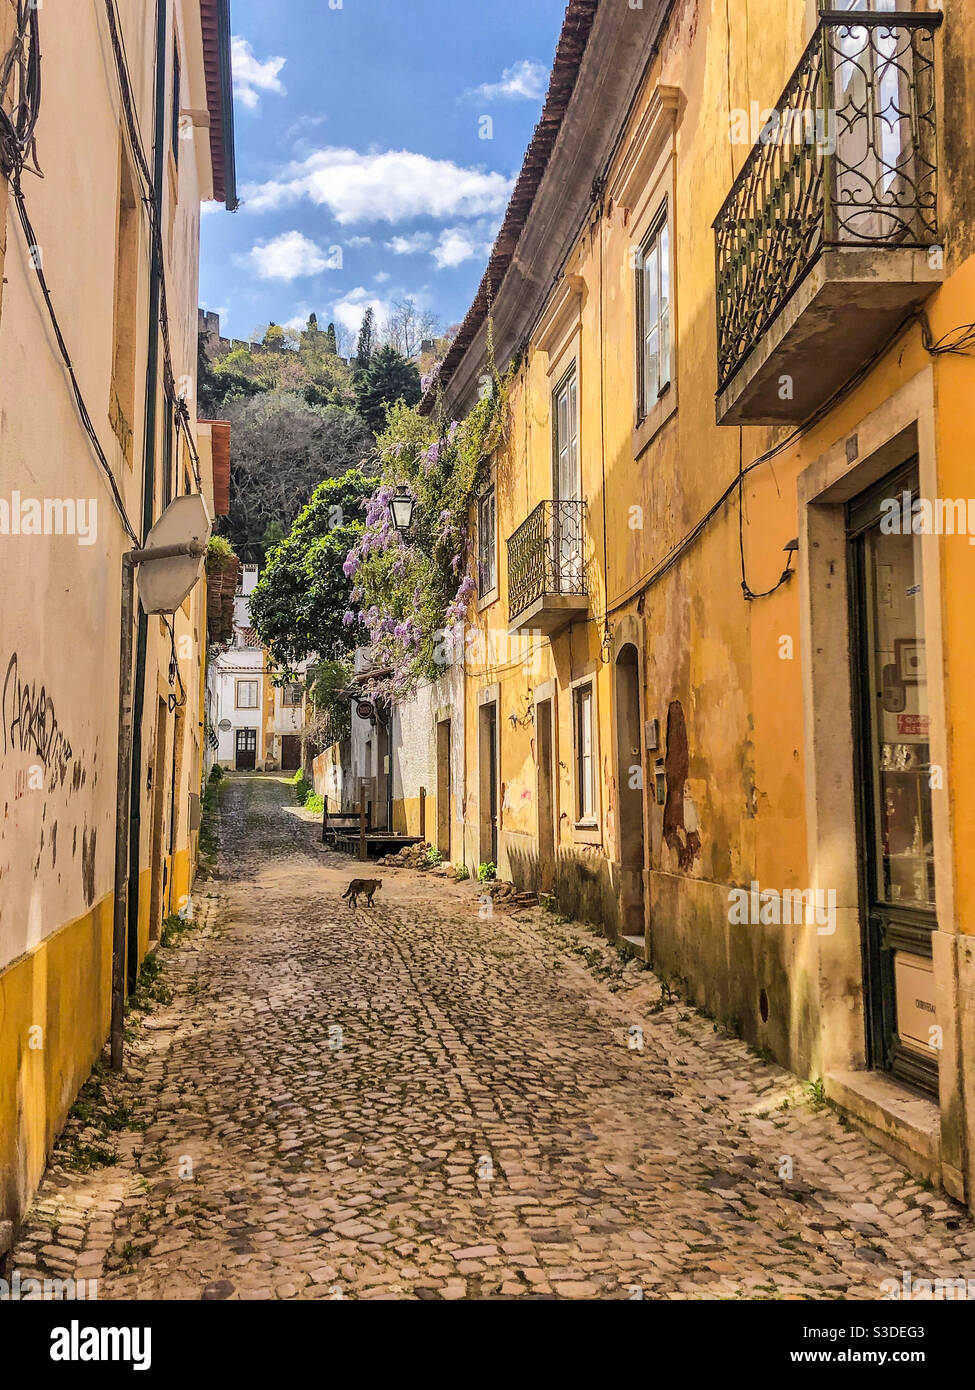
(130, 561)
(387, 723)
(148, 492)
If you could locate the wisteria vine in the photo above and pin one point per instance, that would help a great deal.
(408, 590)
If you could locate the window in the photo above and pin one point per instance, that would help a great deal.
(568, 481)
(487, 565)
(585, 770)
(176, 85)
(863, 5)
(247, 694)
(653, 316)
(291, 695)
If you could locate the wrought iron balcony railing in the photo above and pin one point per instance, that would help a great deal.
(848, 159)
(545, 556)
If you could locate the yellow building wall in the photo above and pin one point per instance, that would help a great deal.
(735, 667)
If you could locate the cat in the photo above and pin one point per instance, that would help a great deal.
(362, 885)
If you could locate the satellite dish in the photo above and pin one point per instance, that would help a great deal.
(164, 584)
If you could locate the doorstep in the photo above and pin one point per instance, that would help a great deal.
(906, 1125)
(637, 944)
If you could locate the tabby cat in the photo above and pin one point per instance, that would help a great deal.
(367, 886)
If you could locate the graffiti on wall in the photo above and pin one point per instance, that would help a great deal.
(30, 725)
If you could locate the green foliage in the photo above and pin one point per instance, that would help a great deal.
(434, 857)
(209, 843)
(173, 928)
(305, 793)
(386, 378)
(220, 555)
(366, 340)
(222, 566)
(461, 872)
(486, 872)
(412, 589)
(816, 1093)
(150, 988)
(218, 383)
(298, 604)
(331, 711)
(281, 449)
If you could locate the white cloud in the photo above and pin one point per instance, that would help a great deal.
(302, 124)
(381, 277)
(287, 257)
(299, 321)
(523, 81)
(354, 242)
(451, 247)
(410, 245)
(252, 76)
(348, 310)
(383, 187)
(458, 244)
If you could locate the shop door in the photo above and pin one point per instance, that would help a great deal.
(894, 777)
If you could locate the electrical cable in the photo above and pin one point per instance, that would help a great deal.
(23, 61)
(962, 342)
(787, 573)
(151, 203)
(174, 702)
(652, 577)
(18, 151)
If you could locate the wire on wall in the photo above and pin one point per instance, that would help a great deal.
(151, 205)
(20, 88)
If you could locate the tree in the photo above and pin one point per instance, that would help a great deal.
(409, 327)
(313, 323)
(281, 449)
(216, 385)
(367, 332)
(387, 379)
(298, 607)
(331, 342)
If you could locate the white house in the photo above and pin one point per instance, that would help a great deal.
(257, 724)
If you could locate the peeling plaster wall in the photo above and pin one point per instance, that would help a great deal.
(723, 678)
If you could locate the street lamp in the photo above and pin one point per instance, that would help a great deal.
(401, 506)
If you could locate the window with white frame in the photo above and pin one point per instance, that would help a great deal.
(247, 694)
(585, 763)
(291, 695)
(487, 550)
(653, 316)
(568, 478)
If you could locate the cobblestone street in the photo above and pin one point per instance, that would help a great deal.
(483, 1128)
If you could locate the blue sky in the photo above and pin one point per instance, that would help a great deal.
(361, 159)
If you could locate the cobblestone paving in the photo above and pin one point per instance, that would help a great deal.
(484, 1129)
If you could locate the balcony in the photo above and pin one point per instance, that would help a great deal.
(829, 237)
(546, 568)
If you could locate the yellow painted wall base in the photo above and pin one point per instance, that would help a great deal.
(406, 817)
(55, 1013)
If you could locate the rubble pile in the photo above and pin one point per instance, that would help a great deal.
(409, 857)
(508, 897)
